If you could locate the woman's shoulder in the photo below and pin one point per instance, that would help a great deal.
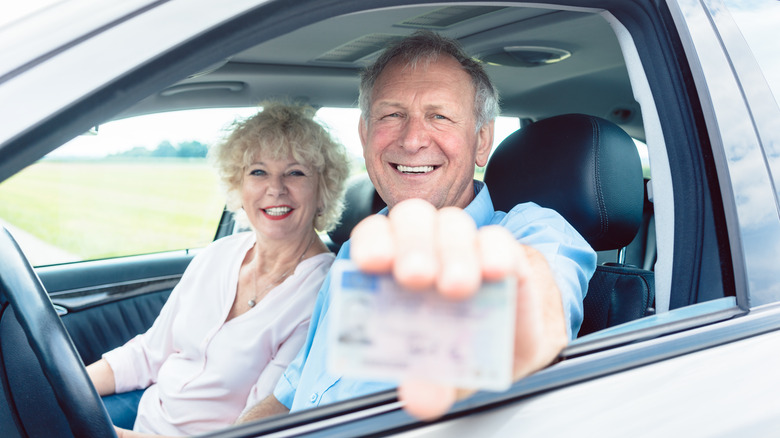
(316, 267)
(318, 263)
(227, 245)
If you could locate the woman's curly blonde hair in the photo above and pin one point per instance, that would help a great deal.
(278, 131)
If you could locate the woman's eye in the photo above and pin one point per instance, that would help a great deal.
(297, 173)
(257, 172)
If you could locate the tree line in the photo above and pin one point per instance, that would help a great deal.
(187, 149)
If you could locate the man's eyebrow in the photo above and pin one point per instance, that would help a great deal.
(393, 104)
(388, 103)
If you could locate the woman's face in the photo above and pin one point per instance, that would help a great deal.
(280, 197)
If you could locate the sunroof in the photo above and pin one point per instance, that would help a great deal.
(443, 18)
(358, 48)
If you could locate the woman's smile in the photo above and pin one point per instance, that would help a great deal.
(277, 212)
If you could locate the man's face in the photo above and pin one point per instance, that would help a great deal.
(421, 139)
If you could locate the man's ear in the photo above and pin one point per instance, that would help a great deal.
(484, 143)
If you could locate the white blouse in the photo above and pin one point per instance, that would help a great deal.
(202, 372)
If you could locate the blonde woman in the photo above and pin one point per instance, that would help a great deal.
(242, 309)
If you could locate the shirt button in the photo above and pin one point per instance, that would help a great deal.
(314, 397)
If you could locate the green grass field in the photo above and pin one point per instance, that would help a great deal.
(97, 209)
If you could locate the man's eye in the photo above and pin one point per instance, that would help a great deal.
(439, 117)
(391, 116)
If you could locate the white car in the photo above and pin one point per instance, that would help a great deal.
(106, 109)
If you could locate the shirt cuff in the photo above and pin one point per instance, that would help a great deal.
(284, 391)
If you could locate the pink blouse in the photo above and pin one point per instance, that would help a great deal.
(202, 372)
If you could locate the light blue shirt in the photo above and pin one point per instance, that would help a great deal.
(306, 382)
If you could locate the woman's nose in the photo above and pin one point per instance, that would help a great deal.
(277, 186)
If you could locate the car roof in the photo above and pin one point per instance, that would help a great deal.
(319, 63)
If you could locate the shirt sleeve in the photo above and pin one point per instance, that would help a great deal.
(570, 257)
(273, 371)
(287, 385)
(136, 363)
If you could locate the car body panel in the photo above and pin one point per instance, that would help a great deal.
(636, 402)
(90, 63)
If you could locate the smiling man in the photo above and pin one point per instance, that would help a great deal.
(428, 112)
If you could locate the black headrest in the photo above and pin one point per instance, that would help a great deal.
(361, 200)
(584, 167)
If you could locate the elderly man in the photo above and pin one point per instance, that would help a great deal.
(427, 118)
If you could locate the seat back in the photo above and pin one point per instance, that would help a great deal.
(361, 201)
(588, 169)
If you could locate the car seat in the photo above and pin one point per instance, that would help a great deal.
(588, 170)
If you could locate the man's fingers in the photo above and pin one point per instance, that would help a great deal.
(540, 325)
(425, 400)
(412, 223)
(498, 252)
(456, 241)
(371, 245)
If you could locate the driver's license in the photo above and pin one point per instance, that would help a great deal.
(381, 332)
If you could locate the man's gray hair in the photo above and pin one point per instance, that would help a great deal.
(426, 46)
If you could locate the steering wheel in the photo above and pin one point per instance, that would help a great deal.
(30, 332)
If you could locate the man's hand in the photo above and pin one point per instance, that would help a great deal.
(424, 247)
(268, 407)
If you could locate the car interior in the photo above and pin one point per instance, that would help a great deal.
(571, 76)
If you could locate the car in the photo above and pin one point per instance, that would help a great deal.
(682, 319)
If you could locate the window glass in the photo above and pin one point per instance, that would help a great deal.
(140, 185)
(758, 20)
(134, 186)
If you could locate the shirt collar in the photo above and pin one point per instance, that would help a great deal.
(480, 208)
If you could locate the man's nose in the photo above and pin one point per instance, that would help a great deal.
(414, 134)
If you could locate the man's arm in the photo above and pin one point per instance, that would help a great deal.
(424, 247)
(269, 407)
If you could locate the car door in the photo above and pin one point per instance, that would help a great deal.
(112, 218)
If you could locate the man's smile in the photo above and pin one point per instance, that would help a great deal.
(415, 170)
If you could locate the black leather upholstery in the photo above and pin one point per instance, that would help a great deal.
(617, 294)
(584, 167)
(361, 200)
(102, 328)
(588, 169)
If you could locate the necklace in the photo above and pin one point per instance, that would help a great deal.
(253, 301)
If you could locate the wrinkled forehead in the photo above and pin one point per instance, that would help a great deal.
(410, 67)
(437, 86)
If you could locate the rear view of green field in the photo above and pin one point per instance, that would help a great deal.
(105, 208)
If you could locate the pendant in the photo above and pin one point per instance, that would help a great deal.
(251, 303)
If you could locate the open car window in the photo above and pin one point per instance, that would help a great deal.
(134, 186)
(139, 185)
